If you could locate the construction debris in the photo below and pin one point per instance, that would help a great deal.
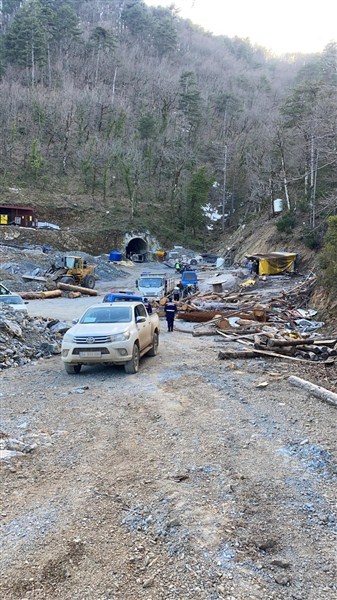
(24, 339)
(266, 321)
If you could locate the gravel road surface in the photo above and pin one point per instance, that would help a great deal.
(184, 481)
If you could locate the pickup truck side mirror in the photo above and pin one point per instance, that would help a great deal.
(140, 319)
(74, 321)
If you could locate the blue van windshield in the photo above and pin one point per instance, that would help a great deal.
(189, 276)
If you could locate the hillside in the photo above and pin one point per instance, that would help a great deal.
(133, 106)
(115, 116)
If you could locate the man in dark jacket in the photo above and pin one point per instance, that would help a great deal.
(170, 311)
(147, 306)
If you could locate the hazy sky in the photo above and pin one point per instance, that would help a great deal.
(279, 25)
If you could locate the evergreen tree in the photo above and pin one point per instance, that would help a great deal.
(25, 42)
(329, 255)
(164, 32)
(136, 18)
(102, 40)
(196, 197)
(66, 23)
(147, 126)
(189, 101)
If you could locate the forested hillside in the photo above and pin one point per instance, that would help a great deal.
(132, 110)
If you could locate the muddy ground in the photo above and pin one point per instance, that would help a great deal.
(184, 481)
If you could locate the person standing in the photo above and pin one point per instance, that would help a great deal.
(255, 268)
(147, 306)
(170, 311)
(176, 294)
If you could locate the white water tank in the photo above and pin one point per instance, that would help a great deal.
(278, 205)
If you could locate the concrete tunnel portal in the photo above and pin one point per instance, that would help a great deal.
(136, 245)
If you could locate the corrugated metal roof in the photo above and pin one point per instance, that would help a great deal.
(16, 207)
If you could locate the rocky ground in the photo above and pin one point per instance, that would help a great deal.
(31, 260)
(183, 481)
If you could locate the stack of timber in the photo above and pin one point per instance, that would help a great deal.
(258, 305)
(279, 344)
(71, 291)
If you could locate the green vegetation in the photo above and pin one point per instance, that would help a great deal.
(329, 256)
(151, 118)
(286, 223)
(312, 239)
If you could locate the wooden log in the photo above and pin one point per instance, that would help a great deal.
(315, 390)
(74, 294)
(201, 333)
(283, 342)
(40, 295)
(264, 352)
(76, 288)
(281, 351)
(236, 354)
(52, 294)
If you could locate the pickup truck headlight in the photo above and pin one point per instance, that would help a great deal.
(120, 337)
(68, 337)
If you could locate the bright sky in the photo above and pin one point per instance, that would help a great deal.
(279, 25)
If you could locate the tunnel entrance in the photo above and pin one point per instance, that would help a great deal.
(136, 249)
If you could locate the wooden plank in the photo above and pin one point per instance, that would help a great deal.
(316, 390)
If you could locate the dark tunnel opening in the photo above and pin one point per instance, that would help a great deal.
(136, 246)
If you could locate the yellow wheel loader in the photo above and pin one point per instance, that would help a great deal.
(74, 271)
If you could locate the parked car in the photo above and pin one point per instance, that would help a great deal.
(15, 301)
(45, 225)
(111, 333)
(189, 278)
(3, 290)
(122, 297)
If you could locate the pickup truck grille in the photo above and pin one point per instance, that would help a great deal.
(96, 349)
(93, 339)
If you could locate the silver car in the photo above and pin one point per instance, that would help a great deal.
(15, 301)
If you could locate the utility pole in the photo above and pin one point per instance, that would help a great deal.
(224, 188)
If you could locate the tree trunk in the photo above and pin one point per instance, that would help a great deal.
(66, 141)
(76, 288)
(113, 88)
(284, 175)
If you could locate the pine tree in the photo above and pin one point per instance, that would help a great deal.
(189, 101)
(196, 197)
(25, 42)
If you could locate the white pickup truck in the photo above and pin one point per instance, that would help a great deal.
(112, 333)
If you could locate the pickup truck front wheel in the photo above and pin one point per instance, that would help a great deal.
(132, 365)
(155, 343)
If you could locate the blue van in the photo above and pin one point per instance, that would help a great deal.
(189, 278)
(122, 297)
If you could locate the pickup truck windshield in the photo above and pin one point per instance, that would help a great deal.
(149, 282)
(107, 315)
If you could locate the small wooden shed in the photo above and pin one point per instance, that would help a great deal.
(17, 215)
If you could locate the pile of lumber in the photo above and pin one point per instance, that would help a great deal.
(257, 305)
(280, 344)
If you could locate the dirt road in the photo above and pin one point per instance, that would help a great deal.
(71, 308)
(184, 481)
